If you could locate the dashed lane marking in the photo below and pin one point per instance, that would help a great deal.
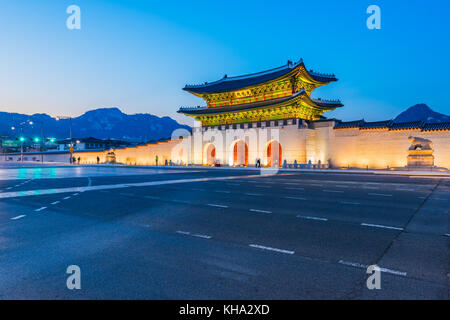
(380, 226)
(271, 249)
(217, 205)
(298, 188)
(222, 191)
(295, 198)
(40, 209)
(364, 266)
(66, 198)
(253, 194)
(333, 191)
(349, 202)
(312, 218)
(260, 211)
(380, 194)
(56, 202)
(203, 236)
(18, 217)
(197, 235)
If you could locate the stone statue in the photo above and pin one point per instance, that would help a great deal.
(420, 144)
(420, 153)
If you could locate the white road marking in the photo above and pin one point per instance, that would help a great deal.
(40, 209)
(217, 205)
(401, 189)
(56, 202)
(291, 183)
(447, 234)
(221, 191)
(352, 203)
(295, 198)
(41, 192)
(253, 194)
(152, 197)
(333, 191)
(380, 226)
(203, 236)
(263, 186)
(75, 194)
(66, 198)
(8, 188)
(260, 211)
(370, 187)
(341, 186)
(439, 199)
(271, 249)
(364, 266)
(312, 218)
(295, 188)
(380, 194)
(18, 217)
(316, 185)
(181, 201)
(197, 235)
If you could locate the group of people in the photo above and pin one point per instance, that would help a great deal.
(74, 160)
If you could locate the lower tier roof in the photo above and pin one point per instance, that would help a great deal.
(318, 103)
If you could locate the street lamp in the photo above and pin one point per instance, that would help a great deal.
(71, 144)
(21, 139)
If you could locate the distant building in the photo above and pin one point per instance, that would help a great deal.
(90, 143)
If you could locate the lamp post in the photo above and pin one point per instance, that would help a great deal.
(21, 138)
(71, 144)
(41, 141)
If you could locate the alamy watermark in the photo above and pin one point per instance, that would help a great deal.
(374, 280)
(374, 20)
(73, 22)
(74, 280)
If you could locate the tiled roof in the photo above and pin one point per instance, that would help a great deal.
(436, 126)
(390, 125)
(235, 83)
(375, 125)
(348, 124)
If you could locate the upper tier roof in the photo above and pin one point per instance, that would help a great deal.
(239, 82)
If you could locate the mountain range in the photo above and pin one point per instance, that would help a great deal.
(103, 123)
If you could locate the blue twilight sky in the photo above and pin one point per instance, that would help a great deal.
(137, 55)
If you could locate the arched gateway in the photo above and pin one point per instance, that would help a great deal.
(274, 154)
(240, 153)
(209, 155)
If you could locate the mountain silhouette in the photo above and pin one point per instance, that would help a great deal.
(103, 123)
(421, 112)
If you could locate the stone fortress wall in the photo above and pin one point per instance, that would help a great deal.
(301, 141)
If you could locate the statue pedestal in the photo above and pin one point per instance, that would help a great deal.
(420, 158)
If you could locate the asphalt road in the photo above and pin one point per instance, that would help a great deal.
(148, 233)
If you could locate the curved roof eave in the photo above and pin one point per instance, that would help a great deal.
(240, 82)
